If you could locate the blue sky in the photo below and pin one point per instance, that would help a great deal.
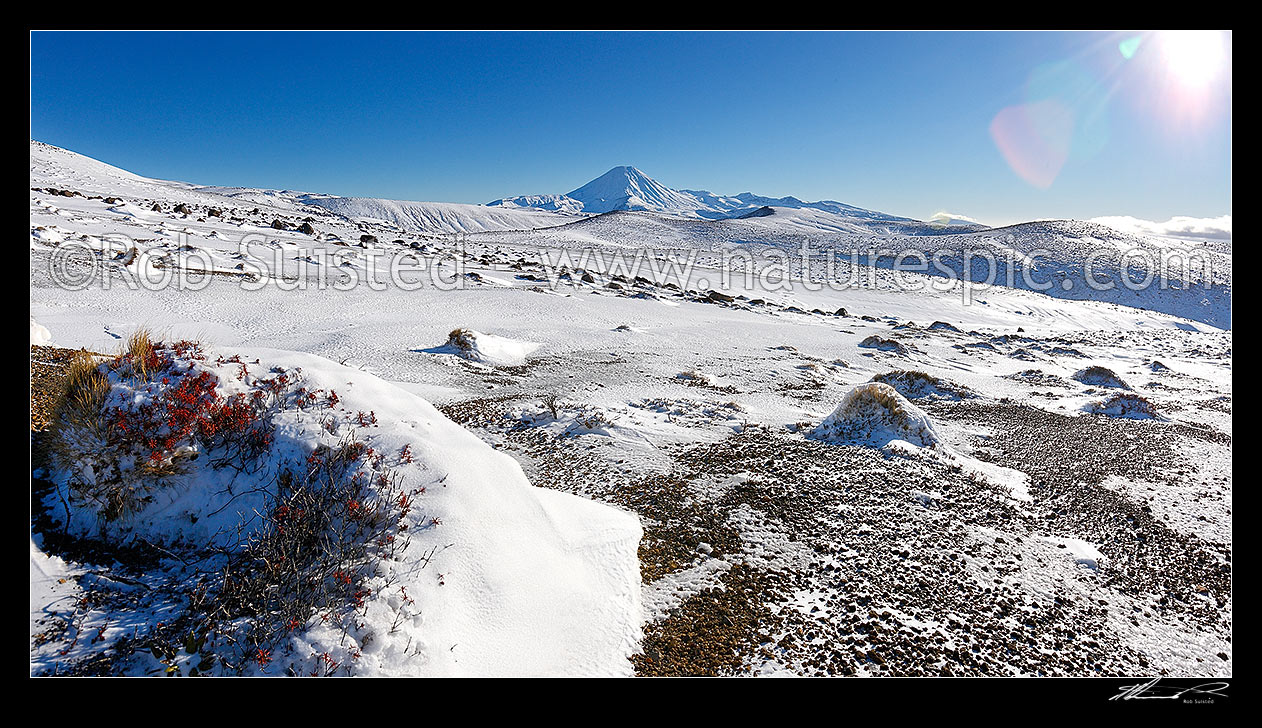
(999, 127)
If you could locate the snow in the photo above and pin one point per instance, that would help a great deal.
(561, 571)
(52, 588)
(516, 580)
(1082, 552)
(876, 413)
(40, 335)
(476, 346)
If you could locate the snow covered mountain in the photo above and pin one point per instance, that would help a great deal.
(626, 188)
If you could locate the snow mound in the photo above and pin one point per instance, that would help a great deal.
(1100, 377)
(876, 414)
(40, 336)
(877, 342)
(1127, 406)
(492, 576)
(483, 348)
(1082, 552)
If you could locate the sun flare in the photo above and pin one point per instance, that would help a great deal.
(1194, 58)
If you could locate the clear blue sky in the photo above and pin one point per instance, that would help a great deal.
(906, 123)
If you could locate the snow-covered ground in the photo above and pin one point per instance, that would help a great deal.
(495, 577)
(1063, 539)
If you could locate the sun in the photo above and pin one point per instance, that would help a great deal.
(1194, 58)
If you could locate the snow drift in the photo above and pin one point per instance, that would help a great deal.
(496, 577)
(483, 348)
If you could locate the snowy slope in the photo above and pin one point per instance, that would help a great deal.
(443, 217)
(1060, 258)
(56, 166)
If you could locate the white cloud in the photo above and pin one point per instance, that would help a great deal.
(1200, 228)
(943, 217)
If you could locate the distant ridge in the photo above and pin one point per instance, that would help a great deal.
(626, 188)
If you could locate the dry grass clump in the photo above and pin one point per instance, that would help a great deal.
(141, 351)
(1125, 405)
(881, 396)
(914, 384)
(1098, 376)
(462, 339)
(82, 397)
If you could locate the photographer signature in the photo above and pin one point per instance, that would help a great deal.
(1151, 690)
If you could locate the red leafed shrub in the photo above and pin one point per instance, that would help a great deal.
(152, 409)
(326, 519)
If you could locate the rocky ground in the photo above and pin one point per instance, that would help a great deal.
(766, 551)
(47, 374)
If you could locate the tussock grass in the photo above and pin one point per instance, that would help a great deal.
(81, 399)
(874, 397)
(140, 356)
(914, 384)
(462, 339)
(79, 429)
(87, 440)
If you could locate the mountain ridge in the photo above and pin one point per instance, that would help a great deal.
(627, 188)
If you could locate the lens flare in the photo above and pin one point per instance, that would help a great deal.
(1034, 139)
(1130, 46)
(1194, 58)
(1064, 118)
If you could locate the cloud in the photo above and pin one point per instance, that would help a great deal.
(944, 215)
(1200, 228)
